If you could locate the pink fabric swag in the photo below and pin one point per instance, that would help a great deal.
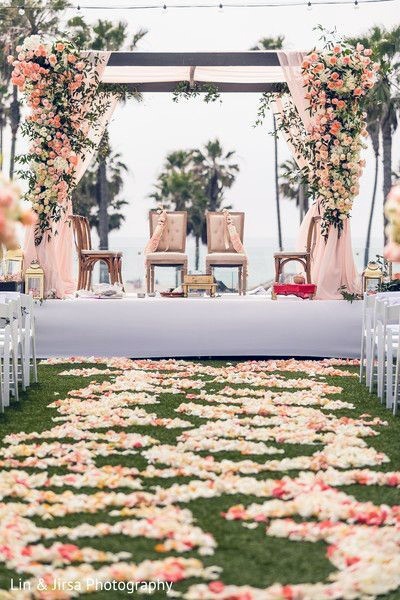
(154, 241)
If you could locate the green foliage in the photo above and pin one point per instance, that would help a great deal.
(85, 198)
(103, 35)
(196, 177)
(270, 43)
(185, 90)
(349, 296)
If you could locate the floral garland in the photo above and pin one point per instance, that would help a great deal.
(335, 80)
(60, 86)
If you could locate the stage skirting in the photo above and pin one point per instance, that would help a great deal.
(198, 327)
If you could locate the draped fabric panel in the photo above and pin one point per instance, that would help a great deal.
(55, 255)
(159, 74)
(332, 261)
(332, 264)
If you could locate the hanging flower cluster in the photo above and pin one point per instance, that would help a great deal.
(327, 142)
(12, 211)
(336, 80)
(60, 88)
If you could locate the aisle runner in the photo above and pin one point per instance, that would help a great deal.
(99, 421)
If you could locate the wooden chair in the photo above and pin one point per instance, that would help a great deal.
(304, 258)
(88, 257)
(171, 248)
(221, 253)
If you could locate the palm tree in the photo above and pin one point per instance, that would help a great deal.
(217, 171)
(104, 35)
(85, 197)
(292, 185)
(373, 128)
(196, 180)
(40, 17)
(269, 43)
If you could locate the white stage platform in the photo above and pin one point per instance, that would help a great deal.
(199, 327)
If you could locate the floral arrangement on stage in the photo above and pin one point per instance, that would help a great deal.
(104, 444)
(328, 148)
(392, 212)
(12, 211)
(336, 79)
(58, 83)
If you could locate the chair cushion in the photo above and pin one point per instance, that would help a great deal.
(100, 253)
(226, 258)
(288, 253)
(166, 257)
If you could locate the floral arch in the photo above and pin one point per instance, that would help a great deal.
(72, 95)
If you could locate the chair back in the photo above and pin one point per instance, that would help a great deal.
(218, 239)
(6, 311)
(312, 231)
(173, 238)
(25, 300)
(82, 236)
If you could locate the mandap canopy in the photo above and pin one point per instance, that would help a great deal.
(315, 96)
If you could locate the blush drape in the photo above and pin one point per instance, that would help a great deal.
(332, 261)
(55, 255)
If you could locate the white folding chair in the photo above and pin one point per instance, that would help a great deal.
(384, 344)
(378, 315)
(27, 333)
(8, 352)
(367, 336)
(395, 397)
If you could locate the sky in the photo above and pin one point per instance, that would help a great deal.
(144, 133)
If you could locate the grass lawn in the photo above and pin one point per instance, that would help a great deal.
(246, 556)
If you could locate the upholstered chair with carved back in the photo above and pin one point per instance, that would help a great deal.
(225, 244)
(167, 245)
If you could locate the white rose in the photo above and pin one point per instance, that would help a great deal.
(32, 42)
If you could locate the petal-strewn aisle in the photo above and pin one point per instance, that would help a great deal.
(256, 480)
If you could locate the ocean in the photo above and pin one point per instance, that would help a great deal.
(260, 255)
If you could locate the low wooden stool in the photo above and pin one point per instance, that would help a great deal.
(199, 282)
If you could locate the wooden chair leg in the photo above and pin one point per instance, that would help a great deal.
(84, 282)
(148, 278)
(183, 272)
(112, 271)
(244, 282)
(89, 275)
(79, 282)
(119, 272)
(240, 280)
(277, 269)
(152, 277)
(308, 270)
